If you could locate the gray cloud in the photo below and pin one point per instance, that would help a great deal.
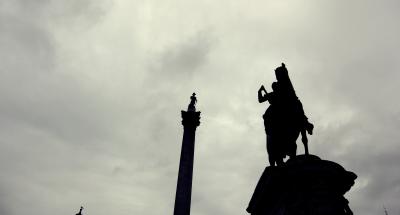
(188, 56)
(91, 93)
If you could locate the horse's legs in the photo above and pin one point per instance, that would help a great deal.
(292, 152)
(305, 141)
(306, 148)
(271, 159)
(279, 162)
(270, 150)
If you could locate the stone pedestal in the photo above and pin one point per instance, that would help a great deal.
(304, 185)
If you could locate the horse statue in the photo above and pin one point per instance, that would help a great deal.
(284, 119)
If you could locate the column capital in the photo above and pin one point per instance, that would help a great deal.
(190, 119)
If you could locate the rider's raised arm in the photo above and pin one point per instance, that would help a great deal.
(262, 98)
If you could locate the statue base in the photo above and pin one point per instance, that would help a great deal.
(304, 185)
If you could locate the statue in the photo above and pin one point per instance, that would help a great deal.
(284, 119)
(80, 211)
(304, 184)
(193, 101)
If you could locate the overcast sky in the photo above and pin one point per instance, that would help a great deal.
(91, 93)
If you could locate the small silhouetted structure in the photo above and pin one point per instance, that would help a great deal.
(80, 211)
(192, 104)
(190, 121)
(386, 212)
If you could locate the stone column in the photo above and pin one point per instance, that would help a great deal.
(190, 121)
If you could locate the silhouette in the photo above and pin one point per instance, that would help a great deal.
(269, 119)
(190, 121)
(192, 104)
(284, 119)
(386, 212)
(304, 184)
(80, 211)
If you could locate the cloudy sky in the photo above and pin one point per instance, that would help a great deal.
(91, 93)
